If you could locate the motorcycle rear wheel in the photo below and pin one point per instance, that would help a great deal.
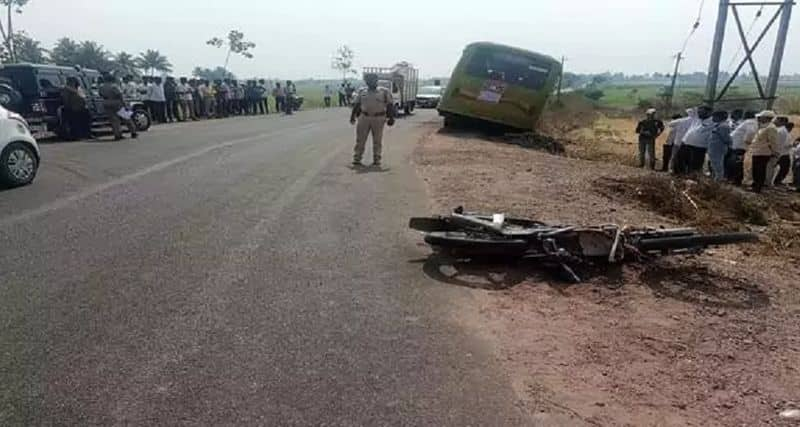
(476, 244)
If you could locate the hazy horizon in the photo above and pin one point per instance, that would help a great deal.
(298, 39)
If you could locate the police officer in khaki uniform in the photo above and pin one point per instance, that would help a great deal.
(371, 108)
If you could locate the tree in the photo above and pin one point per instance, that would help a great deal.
(27, 50)
(343, 61)
(65, 52)
(217, 73)
(125, 64)
(152, 61)
(235, 44)
(93, 55)
(7, 31)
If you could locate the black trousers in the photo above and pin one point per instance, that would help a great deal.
(263, 106)
(734, 166)
(342, 100)
(666, 155)
(79, 124)
(796, 174)
(696, 158)
(327, 101)
(280, 103)
(172, 110)
(784, 164)
(760, 172)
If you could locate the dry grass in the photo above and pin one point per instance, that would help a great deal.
(710, 206)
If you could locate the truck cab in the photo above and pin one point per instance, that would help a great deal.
(401, 81)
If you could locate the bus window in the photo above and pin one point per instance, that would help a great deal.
(508, 67)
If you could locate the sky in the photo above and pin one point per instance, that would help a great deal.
(297, 39)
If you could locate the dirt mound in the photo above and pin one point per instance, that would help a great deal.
(711, 206)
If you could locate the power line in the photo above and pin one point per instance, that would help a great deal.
(694, 27)
(749, 31)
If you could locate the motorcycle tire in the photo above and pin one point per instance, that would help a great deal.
(476, 244)
(696, 241)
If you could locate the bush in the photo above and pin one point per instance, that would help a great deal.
(594, 94)
(645, 103)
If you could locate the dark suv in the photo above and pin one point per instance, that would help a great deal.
(34, 91)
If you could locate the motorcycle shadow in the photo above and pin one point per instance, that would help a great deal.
(500, 274)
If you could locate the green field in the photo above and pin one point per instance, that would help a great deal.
(633, 97)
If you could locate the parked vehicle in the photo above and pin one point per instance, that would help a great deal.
(39, 101)
(499, 84)
(19, 153)
(429, 96)
(474, 236)
(402, 80)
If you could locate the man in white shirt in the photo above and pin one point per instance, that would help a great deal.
(186, 99)
(678, 128)
(784, 160)
(130, 90)
(155, 93)
(695, 143)
(742, 137)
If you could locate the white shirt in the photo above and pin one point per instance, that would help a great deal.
(784, 142)
(184, 92)
(796, 152)
(155, 93)
(328, 91)
(130, 90)
(743, 135)
(699, 133)
(678, 128)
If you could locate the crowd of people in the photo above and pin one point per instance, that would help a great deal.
(170, 99)
(723, 141)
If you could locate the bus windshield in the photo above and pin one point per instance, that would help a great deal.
(508, 67)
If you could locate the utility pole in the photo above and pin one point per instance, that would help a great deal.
(716, 52)
(777, 55)
(560, 79)
(671, 93)
(768, 95)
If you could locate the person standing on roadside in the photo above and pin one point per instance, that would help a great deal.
(649, 129)
(784, 163)
(75, 113)
(342, 96)
(186, 100)
(328, 94)
(695, 142)
(280, 97)
(372, 109)
(669, 144)
(764, 148)
(130, 90)
(171, 98)
(291, 91)
(114, 106)
(263, 103)
(680, 127)
(719, 144)
(156, 94)
(741, 138)
(197, 99)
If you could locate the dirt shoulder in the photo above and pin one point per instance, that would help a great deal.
(708, 340)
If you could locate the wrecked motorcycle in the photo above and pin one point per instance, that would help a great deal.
(482, 237)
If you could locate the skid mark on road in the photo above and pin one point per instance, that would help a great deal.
(125, 179)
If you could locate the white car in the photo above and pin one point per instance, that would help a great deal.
(19, 152)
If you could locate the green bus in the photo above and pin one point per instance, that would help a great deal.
(499, 84)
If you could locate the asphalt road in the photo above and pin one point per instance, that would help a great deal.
(232, 272)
